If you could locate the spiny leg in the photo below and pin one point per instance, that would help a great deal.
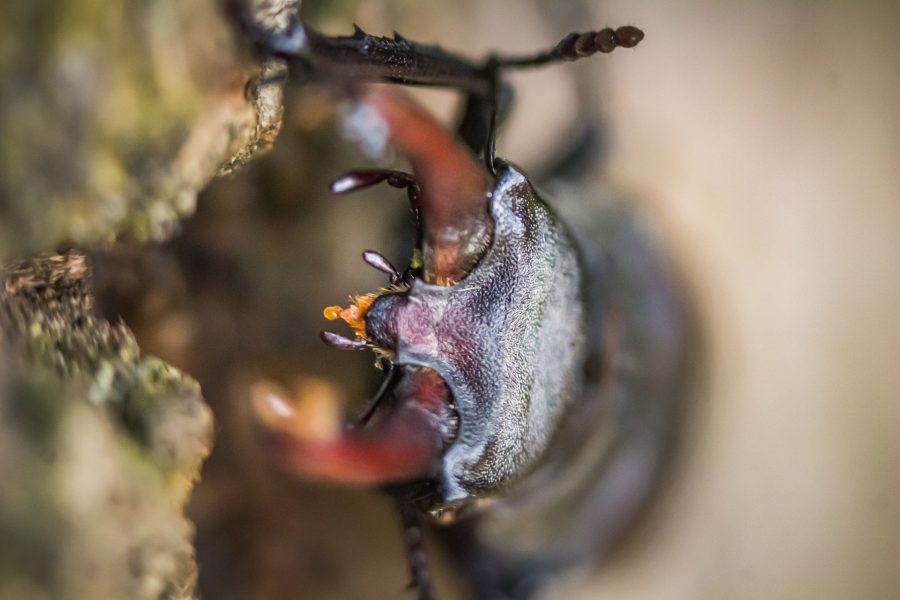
(362, 57)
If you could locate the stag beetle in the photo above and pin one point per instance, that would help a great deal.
(530, 368)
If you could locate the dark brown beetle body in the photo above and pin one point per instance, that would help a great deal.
(530, 368)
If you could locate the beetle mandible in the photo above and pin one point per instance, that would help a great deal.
(530, 370)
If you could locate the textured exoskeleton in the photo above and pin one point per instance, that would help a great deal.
(529, 368)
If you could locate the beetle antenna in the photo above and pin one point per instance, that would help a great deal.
(415, 551)
(369, 408)
(578, 45)
(342, 343)
(493, 107)
(378, 261)
(398, 60)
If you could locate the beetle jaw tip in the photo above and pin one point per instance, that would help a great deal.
(306, 432)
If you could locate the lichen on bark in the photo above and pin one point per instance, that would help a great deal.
(114, 114)
(99, 447)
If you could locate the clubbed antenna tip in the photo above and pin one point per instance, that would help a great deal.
(580, 45)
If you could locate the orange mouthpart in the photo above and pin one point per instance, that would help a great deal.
(354, 315)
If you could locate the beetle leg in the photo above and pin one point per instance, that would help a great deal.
(420, 581)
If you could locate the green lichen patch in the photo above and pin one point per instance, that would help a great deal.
(99, 446)
(115, 114)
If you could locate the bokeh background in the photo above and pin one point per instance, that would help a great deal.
(760, 141)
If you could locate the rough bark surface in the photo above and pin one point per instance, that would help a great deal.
(99, 447)
(115, 114)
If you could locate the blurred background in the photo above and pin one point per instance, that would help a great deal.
(760, 141)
